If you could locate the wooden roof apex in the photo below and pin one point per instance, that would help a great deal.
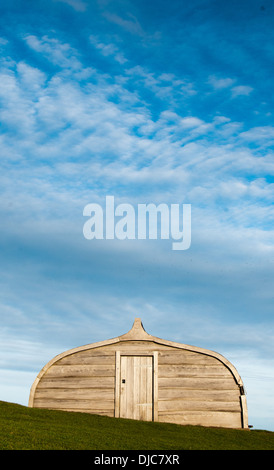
(137, 332)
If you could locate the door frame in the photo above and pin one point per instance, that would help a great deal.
(154, 355)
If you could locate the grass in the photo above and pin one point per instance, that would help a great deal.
(23, 428)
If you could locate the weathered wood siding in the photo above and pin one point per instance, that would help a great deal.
(197, 389)
(83, 381)
(193, 388)
(140, 376)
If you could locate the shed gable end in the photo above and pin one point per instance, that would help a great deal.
(187, 385)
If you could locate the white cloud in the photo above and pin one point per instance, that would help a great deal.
(108, 50)
(190, 122)
(86, 139)
(31, 77)
(164, 86)
(241, 90)
(224, 83)
(130, 24)
(60, 54)
(263, 134)
(3, 41)
(220, 83)
(78, 5)
(17, 111)
(87, 128)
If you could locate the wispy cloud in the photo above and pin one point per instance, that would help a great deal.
(78, 5)
(129, 23)
(241, 90)
(60, 54)
(78, 127)
(108, 49)
(220, 83)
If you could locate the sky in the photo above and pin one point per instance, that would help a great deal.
(148, 102)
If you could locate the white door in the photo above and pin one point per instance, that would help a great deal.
(136, 387)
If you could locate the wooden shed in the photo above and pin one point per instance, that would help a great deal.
(139, 376)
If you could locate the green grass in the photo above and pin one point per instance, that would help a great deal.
(23, 428)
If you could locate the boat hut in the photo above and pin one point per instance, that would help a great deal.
(139, 376)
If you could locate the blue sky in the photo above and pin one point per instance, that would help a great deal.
(151, 102)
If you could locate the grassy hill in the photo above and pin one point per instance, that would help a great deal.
(23, 428)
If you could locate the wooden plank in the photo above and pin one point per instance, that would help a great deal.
(194, 383)
(123, 389)
(244, 412)
(186, 357)
(99, 351)
(203, 418)
(136, 346)
(117, 383)
(195, 405)
(67, 393)
(75, 404)
(79, 382)
(193, 371)
(144, 392)
(109, 413)
(92, 359)
(126, 387)
(189, 394)
(79, 370)
(155, 386)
